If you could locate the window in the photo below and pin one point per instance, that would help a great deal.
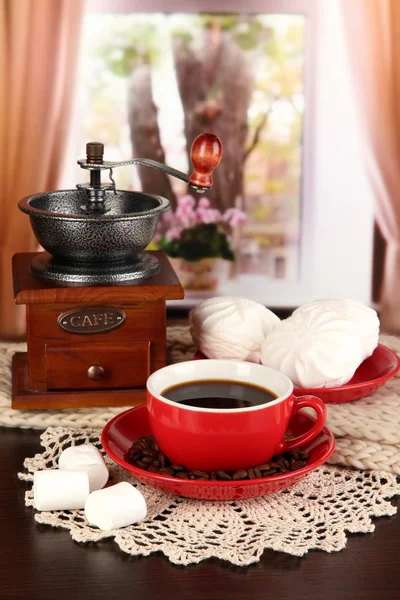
(150, 81)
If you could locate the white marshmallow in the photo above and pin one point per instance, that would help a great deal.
(314, 349)
(231, 328)
(116, 506)
(86, 458)
(60, 490)
(363, 319)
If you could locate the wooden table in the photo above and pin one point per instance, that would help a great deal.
(41, 563)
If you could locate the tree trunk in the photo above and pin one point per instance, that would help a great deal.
(215, 86)
(145, 134)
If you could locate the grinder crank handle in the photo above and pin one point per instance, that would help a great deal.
(206, 154)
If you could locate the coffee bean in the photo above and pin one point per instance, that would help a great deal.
(177, 467)
(157, 463)
(148, 452)
(166, 471)
(147, 460)
(252, 475)
(182, 475)
(264, 467)
(257, 473)
(241, 474)
(298, 464)
(153, 469)
(222, 476)
(141, 464)
(270, 473)
(201, 474)
(213, 475)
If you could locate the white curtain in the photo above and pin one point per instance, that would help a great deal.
(373, 40)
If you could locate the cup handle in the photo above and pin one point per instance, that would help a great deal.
(319, 407)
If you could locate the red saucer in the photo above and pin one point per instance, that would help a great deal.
(119, 434)
(382, 365)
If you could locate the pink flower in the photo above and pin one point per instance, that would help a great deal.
(185, 214)
(186, 203)
(234, 217)
(204, 203)
(173, 234)
(208, 215)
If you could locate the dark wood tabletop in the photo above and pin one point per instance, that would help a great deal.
(40, 563)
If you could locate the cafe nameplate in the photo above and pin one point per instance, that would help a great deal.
(89, 320)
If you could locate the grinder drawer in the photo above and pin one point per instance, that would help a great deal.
(97, 365)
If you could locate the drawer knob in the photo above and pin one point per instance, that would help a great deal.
(95, 372)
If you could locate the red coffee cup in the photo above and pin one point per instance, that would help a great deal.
(212, 439)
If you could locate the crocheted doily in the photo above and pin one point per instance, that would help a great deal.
(314, 514)
(367, 431)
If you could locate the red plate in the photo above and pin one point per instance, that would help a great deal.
(119, 434)
(370, 375)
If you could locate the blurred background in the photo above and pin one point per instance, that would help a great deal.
(304, 94)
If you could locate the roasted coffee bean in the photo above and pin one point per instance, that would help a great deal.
(222, 476)
(141, 464)
(153, 469)
(182, 475)
(200, 474)
(166, 471)
(213, 475)
(147, 460)
(252, 475)
(298, 464)
(270, 473)
(257, 472)
(241, 474)
(157, 463)
(264, 467)
(177, 467)
(149, 452)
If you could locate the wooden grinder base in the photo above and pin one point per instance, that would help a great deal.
(54, 373)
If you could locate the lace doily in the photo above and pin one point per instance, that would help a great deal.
(314, 514)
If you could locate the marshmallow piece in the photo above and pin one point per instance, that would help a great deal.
(364, 320)
(86, 458)
(116, 506)
(231, 327)
(60, 490)
(314, 349)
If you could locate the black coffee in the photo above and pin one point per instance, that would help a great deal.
(228, 395)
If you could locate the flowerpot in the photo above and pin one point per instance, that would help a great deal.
(206, 274)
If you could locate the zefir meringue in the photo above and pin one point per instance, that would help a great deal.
(314, 349)
(231, 328)
(364, 320)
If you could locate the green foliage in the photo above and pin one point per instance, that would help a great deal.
(203, 241)
(134, 44)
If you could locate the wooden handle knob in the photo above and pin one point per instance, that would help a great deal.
(206, 155)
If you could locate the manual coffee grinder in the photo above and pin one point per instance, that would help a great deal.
(95, 299)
